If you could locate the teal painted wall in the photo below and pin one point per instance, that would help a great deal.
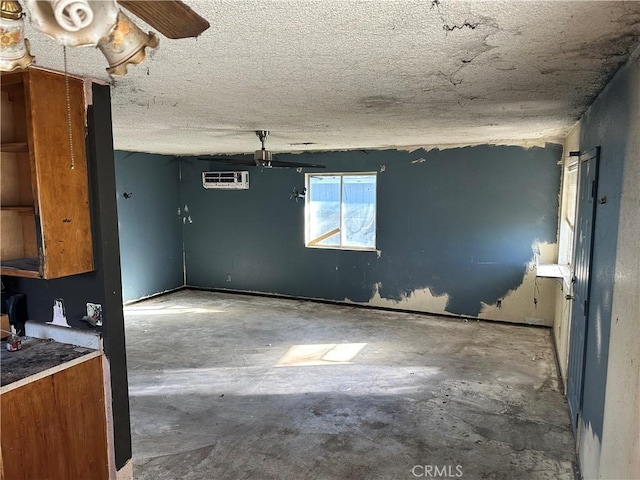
(611, 123)
(460, 222)
(148, 197)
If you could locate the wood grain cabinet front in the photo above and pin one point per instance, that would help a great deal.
(54, 426)
(46, 220)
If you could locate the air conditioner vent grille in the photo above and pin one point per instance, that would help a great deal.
(229, 180)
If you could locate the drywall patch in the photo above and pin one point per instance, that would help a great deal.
(522, 300)
(422, 300)
(534, 297)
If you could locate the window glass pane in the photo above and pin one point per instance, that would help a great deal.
(341, 211)
(324, 210)
(358, 210)
(571, 193)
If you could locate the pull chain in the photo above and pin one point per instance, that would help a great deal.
(68, 99)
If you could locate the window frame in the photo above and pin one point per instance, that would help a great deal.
(307, 220)
(570, 202)
(566, 228)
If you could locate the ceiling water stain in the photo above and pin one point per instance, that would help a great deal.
(379, 102)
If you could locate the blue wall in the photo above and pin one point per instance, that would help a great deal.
(149, 223)
(605, 124)
(461, 222)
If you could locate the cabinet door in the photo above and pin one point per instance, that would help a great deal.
(55, 427)
(62, 194)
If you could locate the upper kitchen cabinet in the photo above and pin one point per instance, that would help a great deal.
(46, 222)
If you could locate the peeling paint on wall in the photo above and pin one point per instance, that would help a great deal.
(589, 447)
(534, 296)
(422, 300)
(465, 223)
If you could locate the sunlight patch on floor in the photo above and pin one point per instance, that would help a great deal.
(327, 354)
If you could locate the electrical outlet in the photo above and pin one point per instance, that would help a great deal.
(94, 314)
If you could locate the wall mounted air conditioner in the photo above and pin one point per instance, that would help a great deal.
(226, 180)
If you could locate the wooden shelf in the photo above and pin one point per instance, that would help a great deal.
(19, 273)
(21, 267)
(16, 147)
(19, 209)
(12, 78)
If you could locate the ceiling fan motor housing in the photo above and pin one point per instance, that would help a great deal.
(262, 156)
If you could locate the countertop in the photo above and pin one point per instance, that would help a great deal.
(36, 355)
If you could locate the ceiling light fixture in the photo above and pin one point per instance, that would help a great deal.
(14, 48)
(126, 44)
(73, 23)
(99, 23)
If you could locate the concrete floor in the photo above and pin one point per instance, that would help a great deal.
(227, 386)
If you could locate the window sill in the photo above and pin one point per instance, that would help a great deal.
(347, 249)
(555, 271)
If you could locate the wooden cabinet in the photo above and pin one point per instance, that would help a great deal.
(45, 224)
(53, 424)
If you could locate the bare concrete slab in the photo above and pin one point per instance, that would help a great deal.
(227, 386)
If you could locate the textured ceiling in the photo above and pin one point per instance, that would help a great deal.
(346, 74)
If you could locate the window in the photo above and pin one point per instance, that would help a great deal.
(568, 213)
(341, 211)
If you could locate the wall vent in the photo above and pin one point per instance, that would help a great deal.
(226, 180)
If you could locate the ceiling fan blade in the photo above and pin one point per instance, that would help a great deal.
(284, 164)
(172, 18)
(229, 161)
